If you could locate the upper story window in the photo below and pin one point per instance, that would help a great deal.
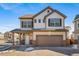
(26, 24)
(39, 20)
(54, 22)
(44, 21)
(35, 21)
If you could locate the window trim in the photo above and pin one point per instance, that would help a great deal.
(43, 20)
(39, 21)
(55, 24)
(26, 24)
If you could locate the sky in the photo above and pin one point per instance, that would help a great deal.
(9, 13)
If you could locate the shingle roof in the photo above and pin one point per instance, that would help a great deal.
(21, 30)
(77, 16)
(27, 16)
(30, 16)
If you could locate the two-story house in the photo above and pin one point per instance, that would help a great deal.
(46, 28)
(76, 28)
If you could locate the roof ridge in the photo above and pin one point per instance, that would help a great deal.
(43, 10)
(57, 12)
(31, 16)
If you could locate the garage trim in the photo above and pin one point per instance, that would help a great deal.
(49, 33)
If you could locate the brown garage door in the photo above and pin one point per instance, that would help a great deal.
(52, 40)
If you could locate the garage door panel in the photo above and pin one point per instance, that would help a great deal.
(52, 40)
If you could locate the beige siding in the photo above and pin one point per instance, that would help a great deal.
(39, 25)
(55, 15)
(27, 39)
(49, 33)
(40, 16)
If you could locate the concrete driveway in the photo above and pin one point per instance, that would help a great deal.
(64, 50)
(43, 51)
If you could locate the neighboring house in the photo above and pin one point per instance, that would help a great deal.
(76, 28)
(1, 36)
(7, 36)
(69, 32)
(46, 28)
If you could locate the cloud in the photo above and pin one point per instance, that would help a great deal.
(9, 6)
(22, 8)
(14, 7)
(7, 27)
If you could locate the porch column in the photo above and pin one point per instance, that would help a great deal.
(24, 36)
(20, 38)
(13, 39)
(27, 39)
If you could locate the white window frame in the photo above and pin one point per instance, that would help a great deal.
(26, 23)
(54, 22)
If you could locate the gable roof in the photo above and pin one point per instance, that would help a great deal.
(28, 16)
(43, 10)
(31, 16)
(57, 12)
(60, 13)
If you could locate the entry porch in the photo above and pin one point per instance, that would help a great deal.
(21, 37)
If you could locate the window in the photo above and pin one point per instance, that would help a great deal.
(39, 20)
(22, 24)
(26, 24)
(29, 24)
(44, 21)
(35, 21)
(54, 22)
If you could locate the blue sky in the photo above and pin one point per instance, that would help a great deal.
(10, 12)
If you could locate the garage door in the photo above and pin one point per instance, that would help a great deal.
(52, 40)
